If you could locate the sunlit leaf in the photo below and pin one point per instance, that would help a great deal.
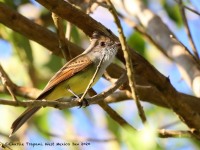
(75, 36)
(54, 64)
(142, 140)
(136, 42)
(173, 12)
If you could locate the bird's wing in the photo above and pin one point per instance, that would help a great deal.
(74, 66)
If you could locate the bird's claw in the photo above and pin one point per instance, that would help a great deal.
(84, 103)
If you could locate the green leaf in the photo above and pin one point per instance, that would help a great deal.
(146, 2)
(54, 63)
(137, 42)
(22, 47)
(173, 12)
(75, 36)
(136, 139)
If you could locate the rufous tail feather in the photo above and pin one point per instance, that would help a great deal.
(23, 118)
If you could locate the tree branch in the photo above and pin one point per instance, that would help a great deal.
(128, 63)
(188, 67)
(7, 83)
(191, 41)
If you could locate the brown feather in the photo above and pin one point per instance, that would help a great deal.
(23, 118)
(68, 70)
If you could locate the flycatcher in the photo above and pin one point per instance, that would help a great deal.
(75, 74)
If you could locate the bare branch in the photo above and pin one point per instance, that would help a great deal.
(188, 8)
(129, 66)
(192, 44)
(33, 31)
(92, 79)
(7, 83)
(62, 104)
(61, 37)
(70, 13)
(163, 133)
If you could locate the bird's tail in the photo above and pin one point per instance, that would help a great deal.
(23, 118)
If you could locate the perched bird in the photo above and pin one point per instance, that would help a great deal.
(75, 74)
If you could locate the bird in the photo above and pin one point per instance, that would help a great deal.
(75, 75)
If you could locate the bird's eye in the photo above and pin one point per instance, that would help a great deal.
(102, 44)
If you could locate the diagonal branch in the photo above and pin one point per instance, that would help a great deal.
(129, 66)
(69, 12)
(12, 19)
(61, 37)
(191, 41)
(7, 83)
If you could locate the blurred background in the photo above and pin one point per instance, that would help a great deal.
(29, 64)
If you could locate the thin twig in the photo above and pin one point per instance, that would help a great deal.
(141, 30)
(129, 67)
(63, 105)
(109, 78)
(170, 124)
(112, 113)
(113, 88)
(186, 7)
(186, 49)
(191, 41)
(163, 133)
(92, 80)
(61, 37)
(4, 146)
(68, 31)
(68, 37)
(192, 10)
(7, 82)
